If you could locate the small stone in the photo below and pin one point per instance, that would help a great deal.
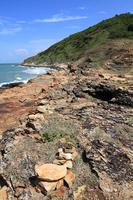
(62, 155)
(43, 102)
(37, 116)
(18, 191)
(70, 150)
(42, 109)
(59, 162)
(66, 156)
(36, 136)
(60, 193)
(48, 186)
(74, 155)
(35, 125)
(60, 150)
(68, 164)
(69, 178)
(51, 172)
(60, 184)
(3, 194)
(62, 140)
(78, 194)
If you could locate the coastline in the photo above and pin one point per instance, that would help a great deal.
(18, 100)
(57, 66)
(75, 104)
(16, 83)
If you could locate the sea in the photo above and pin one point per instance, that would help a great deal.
(12, 73)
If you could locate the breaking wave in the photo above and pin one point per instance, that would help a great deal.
(36, 71)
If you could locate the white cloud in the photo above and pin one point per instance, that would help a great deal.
(10, 31)
(9, 26)
(82, 8)
(5, 20)
(21, 52)
(57, 18)
(21, 22)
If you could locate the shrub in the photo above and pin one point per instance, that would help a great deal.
(57, 127)
(130, 27)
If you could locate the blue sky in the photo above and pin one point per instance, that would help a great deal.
(30, 26)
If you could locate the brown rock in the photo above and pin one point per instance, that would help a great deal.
(74, 155)
(71, 150)
(50, 172)
(85, 192)
(3, 194)
(69, 178)
(60, 184)
(48, 186)
(62, 155)
(59, 162)
(77, 194)
(18, 191)
(37, 116)
(58, 193)
(42, 109)
(68, 164)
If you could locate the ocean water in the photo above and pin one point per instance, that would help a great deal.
(10, 73)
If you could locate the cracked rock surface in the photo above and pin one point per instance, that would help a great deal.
(92, 112)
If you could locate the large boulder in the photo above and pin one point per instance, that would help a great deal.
(50, 172)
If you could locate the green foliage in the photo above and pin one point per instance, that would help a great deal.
(130, 27)
(75, 46)
(57, 127)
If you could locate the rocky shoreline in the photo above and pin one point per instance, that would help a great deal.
(56, 66)
(90, 112)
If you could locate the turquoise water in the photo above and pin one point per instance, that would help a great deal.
(14, 73)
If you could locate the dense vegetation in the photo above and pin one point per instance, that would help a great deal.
(76, 45)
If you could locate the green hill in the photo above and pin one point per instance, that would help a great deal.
(88, 41)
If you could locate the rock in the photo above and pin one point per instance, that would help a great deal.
(59, 162)
(43, 102)
(42, 109)
(69, 178)
(37, 116)
(60, 150)
(68, 164)
(58, 193)
(48, 186)
(62, 155)
(3, 194)
(12, 85)
(74, 155)
(78, 193)
(35, 195)
(50, 172)
(18, 191)
(86, 192)
(22, 155)
(60, 184)
(35, 125)
(106, 183)
(36, 136)
(69, 150)
(72, 68)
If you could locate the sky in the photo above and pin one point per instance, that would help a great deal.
(30, 26)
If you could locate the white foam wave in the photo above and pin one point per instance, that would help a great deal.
(36, 71)
(6, 83)
(19, 78)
